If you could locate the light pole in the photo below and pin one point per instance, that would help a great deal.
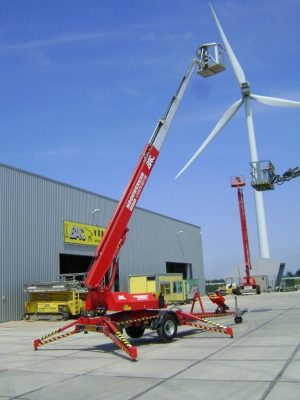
(178, 234)
(94, 212)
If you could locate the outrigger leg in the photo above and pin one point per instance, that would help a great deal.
(198, 322)
(49, 338)
(86, 324)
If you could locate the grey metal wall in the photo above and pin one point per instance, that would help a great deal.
(157, 239)
(32, 211)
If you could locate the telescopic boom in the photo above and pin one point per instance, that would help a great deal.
(105, 259)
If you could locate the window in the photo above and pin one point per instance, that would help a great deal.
(177, 287)
(165, 288)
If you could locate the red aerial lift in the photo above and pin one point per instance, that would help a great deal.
(249, 284)
(111, 312)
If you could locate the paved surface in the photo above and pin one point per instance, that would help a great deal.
(262, 361)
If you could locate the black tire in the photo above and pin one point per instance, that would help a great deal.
(238, 291)
(167, 328)
(258, 291)
(135, 331)
(238, 320)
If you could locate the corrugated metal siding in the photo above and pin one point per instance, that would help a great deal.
(157, 239)
(32, 210)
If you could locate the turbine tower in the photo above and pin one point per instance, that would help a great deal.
(246, 98)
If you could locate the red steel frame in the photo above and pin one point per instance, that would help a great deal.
(239, 182)
(112, 325)
(109, 312)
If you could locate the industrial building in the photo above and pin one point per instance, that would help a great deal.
(49, 228)
(266, 271)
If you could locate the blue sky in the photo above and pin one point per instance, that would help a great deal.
(83, 84)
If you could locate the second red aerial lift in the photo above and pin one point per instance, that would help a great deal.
(249, 285)
(112, 312)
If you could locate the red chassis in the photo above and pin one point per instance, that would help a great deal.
(164, 321)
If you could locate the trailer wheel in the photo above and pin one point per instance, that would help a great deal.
(167, 328)
(238, 320)
(238, 291)
(135, 331)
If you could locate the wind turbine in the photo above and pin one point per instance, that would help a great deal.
(246, 98)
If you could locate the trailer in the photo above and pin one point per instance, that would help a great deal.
(110, 312)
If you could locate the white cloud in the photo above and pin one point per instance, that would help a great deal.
(69, 38)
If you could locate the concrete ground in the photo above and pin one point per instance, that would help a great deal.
(262, 361)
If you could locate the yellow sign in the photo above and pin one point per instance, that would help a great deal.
(76, 233)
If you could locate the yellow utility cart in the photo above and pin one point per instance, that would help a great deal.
(58, 300)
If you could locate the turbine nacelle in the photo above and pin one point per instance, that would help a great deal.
(245, 88)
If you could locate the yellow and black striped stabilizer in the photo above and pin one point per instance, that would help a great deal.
(50, 334)
(122, 339)
(131, 321)
(207, 321)
(123, 343)
(222, 329)
(215, 315)
(48, 339)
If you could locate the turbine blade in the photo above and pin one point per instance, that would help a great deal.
(275, 101)
(226, 117)
(239, 73)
